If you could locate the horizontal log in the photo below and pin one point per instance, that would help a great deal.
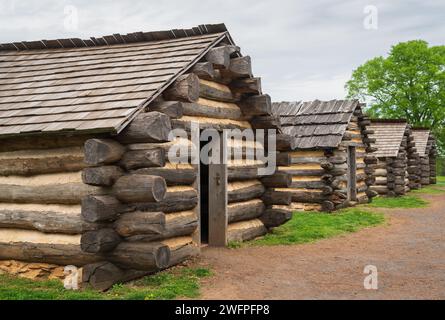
(102, 275)
(177, 224)
(277, 180)
(34, 246)
(102, 151)
(34, 142)
(220, 56)
(140, 188)
(99, 241)
(212, 109)
(276, 216)
(44, 218)
(216, 91)
(204, 70)
(256, 105)
(181, 249)
(179, 174)
(173, 109)
(104, 176)
(139, 222)
(306, 195)
(147, 127)
(245, 230)
(185, 88)
(140, 256)
(274, 197)
(327, 206)
(244, 191)
(266, 122)
(247, 86)
(246, 171)
(285, 142)
(178, 198)
(248, 210)
(186, 122)
(32, 162)
(58, 193)
(154, 157)
(240, 67)
(100, 208)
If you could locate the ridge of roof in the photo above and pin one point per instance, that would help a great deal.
(116, 38)
(389, 120)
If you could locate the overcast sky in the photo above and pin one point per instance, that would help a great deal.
(302, 50)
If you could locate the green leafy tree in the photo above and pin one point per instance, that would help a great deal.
(408, 84)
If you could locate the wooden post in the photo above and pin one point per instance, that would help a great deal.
(218, 217)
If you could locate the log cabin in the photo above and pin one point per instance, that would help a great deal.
(85, 179)
(397, 170)
(426, 147)
(327, 153)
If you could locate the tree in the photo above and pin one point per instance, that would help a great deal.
(408, 84)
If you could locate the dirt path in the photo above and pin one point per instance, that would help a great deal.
(409, 253)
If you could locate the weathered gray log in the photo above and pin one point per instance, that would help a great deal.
(370, 160)
(101, 176)
(248, 172)
(245, 210)
(140, 255)
(100, 208)
(273, 197)
(182, 253)
(172, 176)
(99, 241)
(327, 206)
(247, 230)
(102, 151)
(64, 193)
(61, 254)
(285, 142)
(371, 193)
(185, 88)
(173, 202)
(246, 193)
(139, 222)
(274, 217)
(247, 86)
(283, 159)
(256, 105)
(305, 196)
(204, 70)
(46, 221)
(214, 93)
(147, 127)
(327, 165)
(220, 56)
(265, 122)
(154, 157)
(240, 67)
(101, 275)
(277, 180)
(32, 164)
(140, 188)
(173, 109)
(201, 110)
(308, 184)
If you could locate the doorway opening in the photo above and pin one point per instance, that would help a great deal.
(352, 174)
(204, 197)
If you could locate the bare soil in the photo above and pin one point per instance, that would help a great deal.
(408, 251)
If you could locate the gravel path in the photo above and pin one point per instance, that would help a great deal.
(408, 251)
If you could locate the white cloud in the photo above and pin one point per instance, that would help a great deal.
(301, 49)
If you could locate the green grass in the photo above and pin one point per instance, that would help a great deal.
(441, 181)
(176, 283)
(398, 202)
(309, 227)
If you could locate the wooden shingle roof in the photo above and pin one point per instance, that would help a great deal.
(388, 135)
(421, 137)
(96, 85)
(316, 124)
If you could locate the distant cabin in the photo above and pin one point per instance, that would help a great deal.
(426, 148)
(327, 154)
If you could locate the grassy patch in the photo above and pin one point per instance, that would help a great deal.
(308, 227)
(441, 181)
(171, 284)
(398, 202)
(430, 189)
